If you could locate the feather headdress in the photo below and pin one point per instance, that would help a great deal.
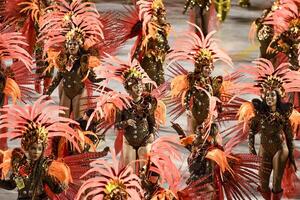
(36, 123)
(110, 182)
(78, 20)
(198, 49)
(124, 71)
(148, 9)
(285, 17)
(266, 77)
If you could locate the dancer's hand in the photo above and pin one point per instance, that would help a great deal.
(189, 113)
(131, 122)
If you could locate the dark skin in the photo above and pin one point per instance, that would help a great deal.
(29, 173)
(272, 121)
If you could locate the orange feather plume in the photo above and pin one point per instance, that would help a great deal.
(60, 171)
(160, 113)
(178, 85)
(12, 89)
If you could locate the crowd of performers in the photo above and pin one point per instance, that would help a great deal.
(71, 46)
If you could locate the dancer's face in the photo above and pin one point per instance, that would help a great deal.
(73, 47)
(137, 89)
(35, 151)
(207, 70)
(271, 98)
(161, 15)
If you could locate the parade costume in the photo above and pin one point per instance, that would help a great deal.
(229, 174)
(267, 31)
(24, 16)
(72, 30)
(16, 78)
(110, 181)
(34, 125)
(147, 22)
(273, 119)
(30, 168)
(286, 23)
(188, 88)
(133, 115)
(206, 14)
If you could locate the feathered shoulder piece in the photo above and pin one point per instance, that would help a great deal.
(247, 112)
(60, 171)
(161, 109)
(108, 103)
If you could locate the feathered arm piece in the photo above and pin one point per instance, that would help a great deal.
(109, 181)
(179, 87)
(164, 165)
(164, 151)
(236, 176)
(107, 104)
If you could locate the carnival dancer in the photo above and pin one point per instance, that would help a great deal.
(264, 30)
(148, 22)
(24, 16)
(16, 78)
(73, 32)
(136, 114)
(273, 119)
(28, 168)
(186, 87)
(207, 14)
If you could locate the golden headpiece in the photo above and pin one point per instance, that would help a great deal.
(157, 4)
(204, 57)
(132, 76)
(114, 189)
(272, 82)
(34, 133)
(75, 34)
